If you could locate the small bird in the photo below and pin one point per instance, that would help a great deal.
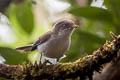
(54, 43)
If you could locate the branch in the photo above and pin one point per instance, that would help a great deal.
(80, 69)
(111, 71)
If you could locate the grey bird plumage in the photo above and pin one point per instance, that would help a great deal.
(54, 43)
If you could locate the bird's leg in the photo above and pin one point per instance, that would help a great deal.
(47, 61)
(40, 58)
(58, 59)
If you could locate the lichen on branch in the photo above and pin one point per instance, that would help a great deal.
(80, 69)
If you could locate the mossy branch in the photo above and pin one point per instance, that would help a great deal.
(80, 69)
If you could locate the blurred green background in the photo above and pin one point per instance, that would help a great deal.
(24, 21)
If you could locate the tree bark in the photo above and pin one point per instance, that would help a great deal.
(110, 72)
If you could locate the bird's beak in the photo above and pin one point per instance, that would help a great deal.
(75, 26)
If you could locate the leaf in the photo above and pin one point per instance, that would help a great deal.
(114, 7)
(89, 1)
(93, 13)
(88, 37)
(22, 16)
(12, 56)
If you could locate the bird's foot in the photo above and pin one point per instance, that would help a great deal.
(47, 62)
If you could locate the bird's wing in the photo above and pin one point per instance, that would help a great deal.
(41, 40)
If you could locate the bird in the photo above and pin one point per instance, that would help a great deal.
(54, 43)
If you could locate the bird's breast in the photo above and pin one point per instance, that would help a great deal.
(54, 47)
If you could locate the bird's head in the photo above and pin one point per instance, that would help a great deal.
(64, 27)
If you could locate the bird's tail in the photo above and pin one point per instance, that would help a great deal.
(24, 48)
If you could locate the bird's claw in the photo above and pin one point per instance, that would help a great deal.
(47, 61)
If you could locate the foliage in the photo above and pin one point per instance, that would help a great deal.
(12, 56)
(93, 13)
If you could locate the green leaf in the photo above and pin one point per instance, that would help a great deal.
(21, 15)
(93, 13)
(89, 2)
(88, 37)
(12, 56)
(114, 7)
